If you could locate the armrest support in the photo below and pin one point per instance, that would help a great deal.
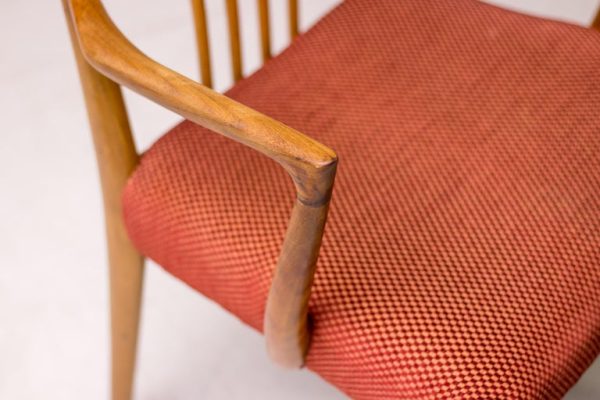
(311, 165)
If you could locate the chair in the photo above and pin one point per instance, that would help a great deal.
(461, 257)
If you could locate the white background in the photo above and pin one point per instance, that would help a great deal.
(53, 279)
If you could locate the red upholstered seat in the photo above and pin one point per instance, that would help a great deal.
(462, 254)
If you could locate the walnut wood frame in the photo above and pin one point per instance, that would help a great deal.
(106, 59)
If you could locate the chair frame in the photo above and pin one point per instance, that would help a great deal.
(106, 59)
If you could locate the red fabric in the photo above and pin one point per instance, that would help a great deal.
(462, 254)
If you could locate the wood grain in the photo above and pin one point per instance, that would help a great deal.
(202, 41)
(311, 165)
(117, 157)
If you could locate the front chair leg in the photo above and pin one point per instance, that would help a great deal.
(126, 275)
(117, 158)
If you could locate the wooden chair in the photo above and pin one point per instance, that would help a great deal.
(476, 296)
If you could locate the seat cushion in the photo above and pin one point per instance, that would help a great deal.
(462, 254)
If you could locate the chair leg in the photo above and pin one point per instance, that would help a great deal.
(117, 158)
(126, 275)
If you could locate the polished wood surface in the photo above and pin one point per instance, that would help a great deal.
(265, 31)
(117, 158)
(202, 41)
(311, 165)
(234, 39)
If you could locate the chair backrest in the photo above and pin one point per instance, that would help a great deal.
(203, 42)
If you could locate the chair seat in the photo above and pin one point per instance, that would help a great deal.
(462, 254)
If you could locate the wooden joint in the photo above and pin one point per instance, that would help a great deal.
(314, 186)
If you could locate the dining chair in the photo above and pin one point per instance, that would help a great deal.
(461, 258)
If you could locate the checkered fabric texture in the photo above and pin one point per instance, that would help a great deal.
(461, 259)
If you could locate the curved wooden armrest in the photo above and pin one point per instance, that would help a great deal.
(311, 165)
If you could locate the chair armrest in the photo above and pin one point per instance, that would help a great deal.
(311, 165)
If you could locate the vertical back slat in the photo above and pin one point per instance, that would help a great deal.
(293, 13)
(265, 35)
(202, 41)
(234, 38)
(596, 21)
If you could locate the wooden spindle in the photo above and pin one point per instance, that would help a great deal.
(596, 22)
(234, 38)
(202, 41)
(265, 35)
(293, 13)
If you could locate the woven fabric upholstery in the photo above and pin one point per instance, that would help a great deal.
(461, 259)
